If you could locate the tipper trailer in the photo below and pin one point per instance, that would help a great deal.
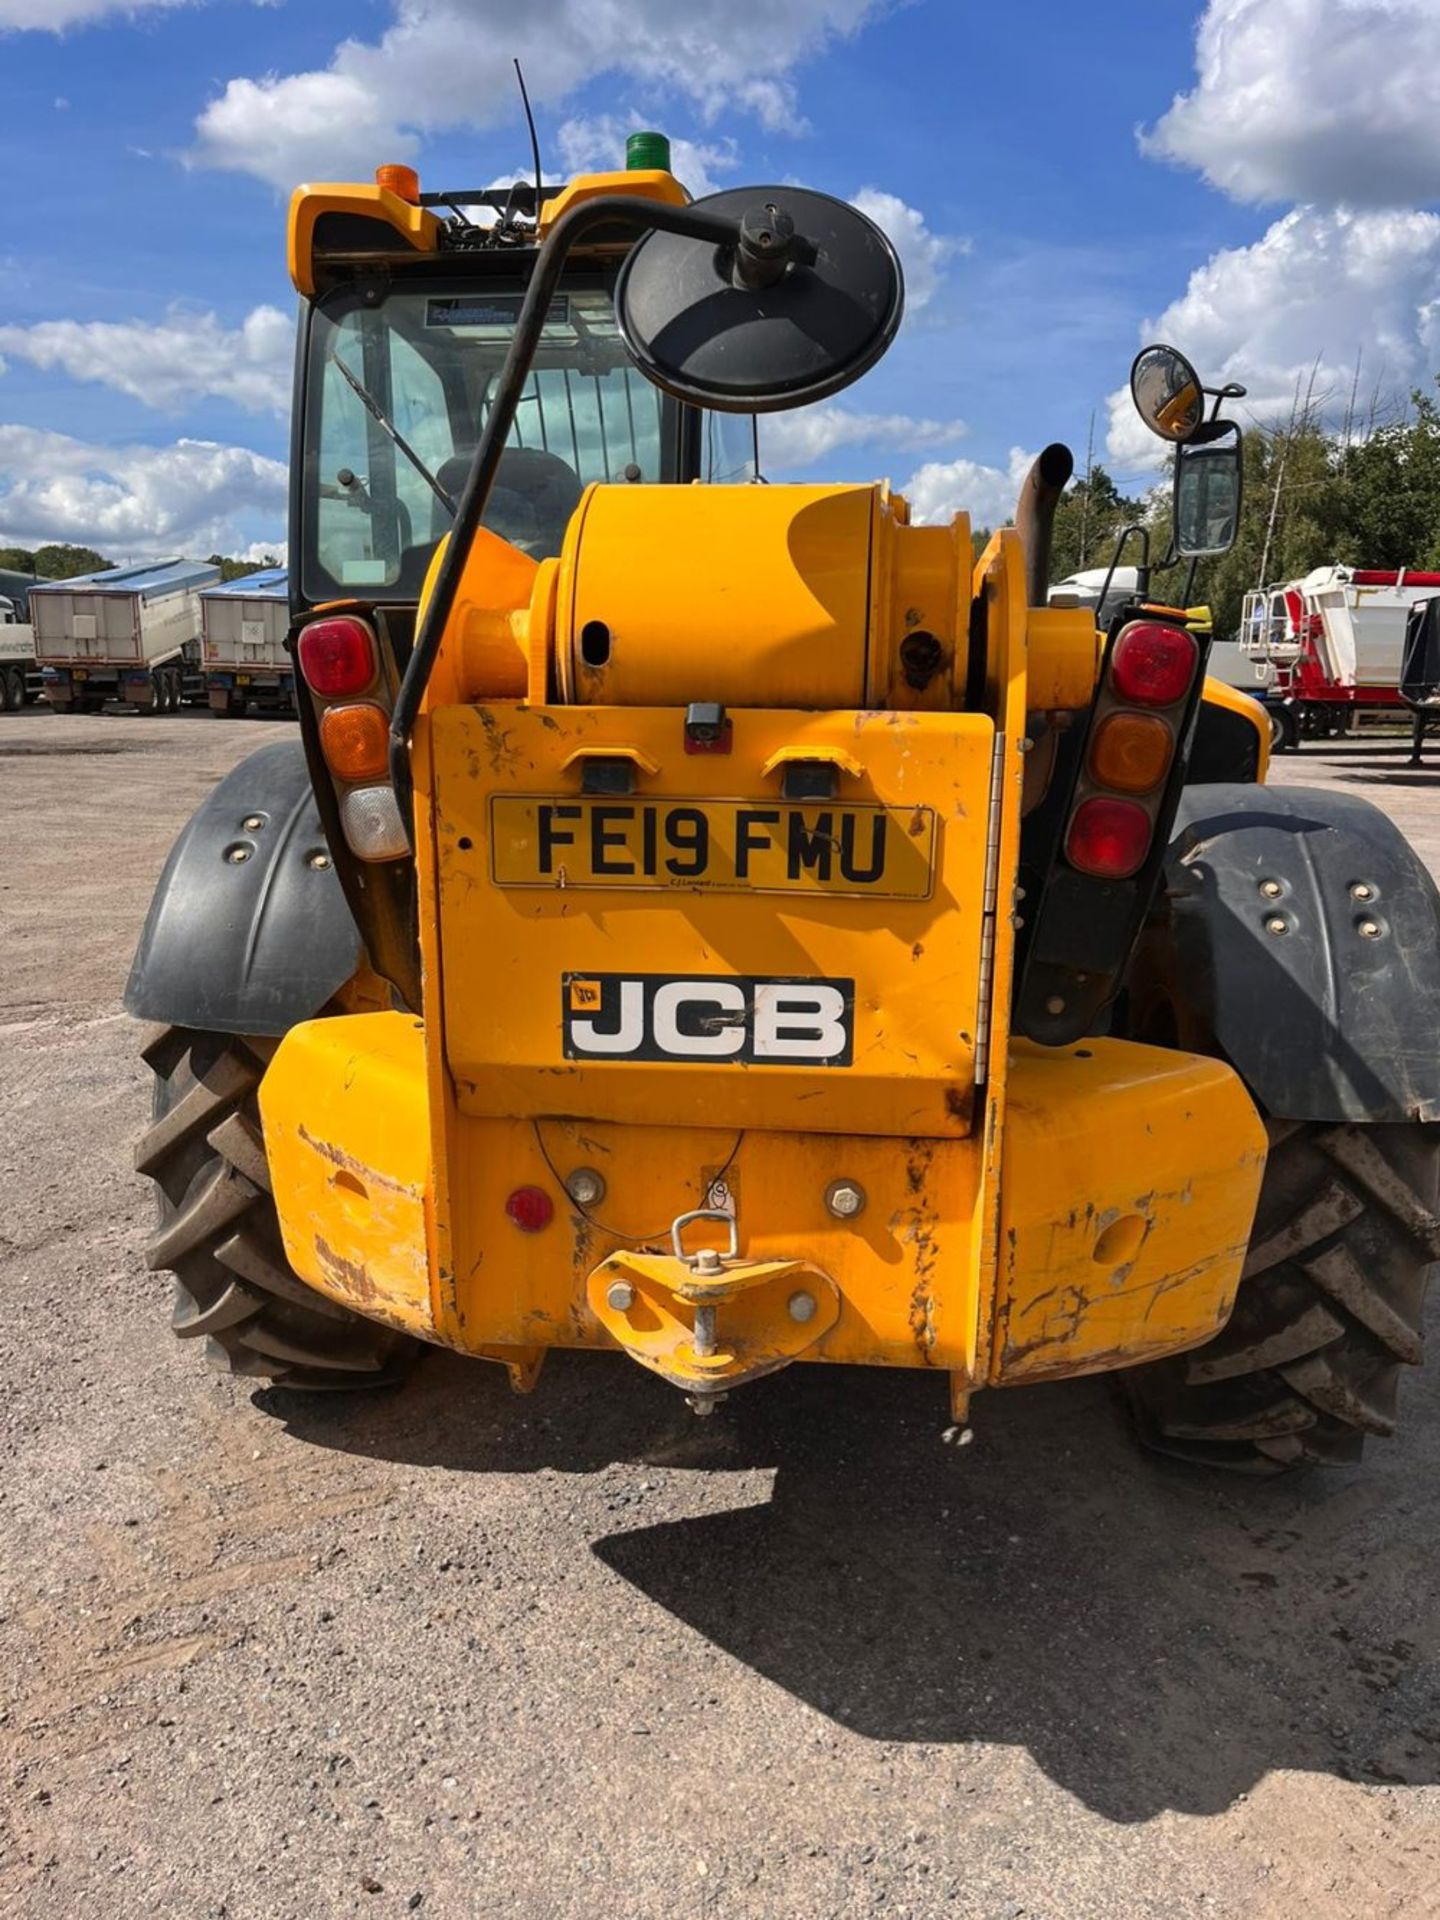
(244, 624)
(1333, 641)
(129, 633)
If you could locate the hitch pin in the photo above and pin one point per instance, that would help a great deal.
(704, 1332)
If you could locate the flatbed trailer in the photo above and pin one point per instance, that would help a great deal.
(128, 633)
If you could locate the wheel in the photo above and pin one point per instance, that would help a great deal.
(177, 689)
(1284, 733)
(1329, 1308)
(12, 690)
(170, 692)
(219, 1235)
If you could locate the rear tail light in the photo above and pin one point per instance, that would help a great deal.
(1152, 665)
(374, 830)
(338, 657)
(1130, 752)
(530, 1208)
(355, 741)
(1108, 838)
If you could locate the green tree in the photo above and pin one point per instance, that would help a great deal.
(1090, 516)
(238, 569)
(54, 562)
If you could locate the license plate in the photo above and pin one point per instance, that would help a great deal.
(726, 846)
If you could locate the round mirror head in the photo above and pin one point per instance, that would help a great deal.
(1167, 393)
(805, 303)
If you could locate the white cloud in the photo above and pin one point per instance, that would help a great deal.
(193, 496)
(54, 16)
(1324, 101)
(185, 358)
(810, 433)
(941, 489)
(923, 254)
(1314, 290)
(437, 67)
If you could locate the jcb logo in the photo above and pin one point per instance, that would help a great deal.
(652, 1016)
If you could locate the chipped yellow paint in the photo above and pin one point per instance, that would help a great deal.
(347, 1136)
(1128, 1193)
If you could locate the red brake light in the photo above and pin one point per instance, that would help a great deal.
(1108, 838)
(1152, 665)
(530, 1208)
(337, 656)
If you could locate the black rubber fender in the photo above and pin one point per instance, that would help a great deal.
(249, 931)
(1300, 930)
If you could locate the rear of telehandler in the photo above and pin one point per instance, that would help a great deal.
(727, 924)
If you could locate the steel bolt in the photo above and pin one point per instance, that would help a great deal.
(253, 822)
(1369, 929)
(1271, 889)
(1055, 1004)
(707, 1260)
(319, 861)
(1277, 923)
(1360, 891)
(802, 1307)
(586, 1187)
(845, 1198)
(237, 855)
(620, 1296)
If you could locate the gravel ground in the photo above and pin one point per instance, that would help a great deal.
(453, 1653)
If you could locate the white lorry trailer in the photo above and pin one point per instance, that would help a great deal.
(244, 624)
(129, 633)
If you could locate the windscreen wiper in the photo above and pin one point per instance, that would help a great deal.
(377, 413)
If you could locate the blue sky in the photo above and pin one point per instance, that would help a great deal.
(1255, 178)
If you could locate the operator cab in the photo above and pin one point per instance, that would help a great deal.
(401, 351)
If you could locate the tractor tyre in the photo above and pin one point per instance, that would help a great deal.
(1328, 1311)
(219, 1234)
(12, 686)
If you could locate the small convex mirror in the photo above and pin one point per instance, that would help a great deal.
(1207, 493)
(1167, 393)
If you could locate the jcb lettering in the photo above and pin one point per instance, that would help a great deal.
(756, 1022)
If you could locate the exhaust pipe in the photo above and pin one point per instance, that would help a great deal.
(1035, 516)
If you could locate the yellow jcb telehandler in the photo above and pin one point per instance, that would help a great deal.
(725, 924)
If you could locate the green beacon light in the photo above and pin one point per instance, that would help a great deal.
(647, 152)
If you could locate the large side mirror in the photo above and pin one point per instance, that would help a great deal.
(1208, 486)
(1167, 393)
(806, 300)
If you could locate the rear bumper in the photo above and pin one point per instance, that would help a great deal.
(1128, 1186)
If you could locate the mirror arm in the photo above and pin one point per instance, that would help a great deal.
(608, 210)
(1142, 572)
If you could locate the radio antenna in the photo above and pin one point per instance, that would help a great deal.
(534, 137)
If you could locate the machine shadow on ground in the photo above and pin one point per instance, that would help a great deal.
(1155, 1637)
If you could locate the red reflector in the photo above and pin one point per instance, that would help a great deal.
(531, 1209)
(1152, 665)
(337, 656)
(1108, 838)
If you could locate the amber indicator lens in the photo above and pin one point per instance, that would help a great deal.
(1130, 752)
(1108, 838)
(1152, 665)
(355, 741)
